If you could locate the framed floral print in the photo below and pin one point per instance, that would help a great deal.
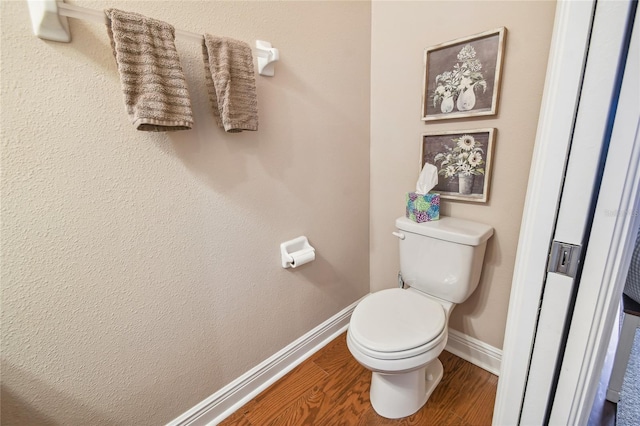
(463, 160)
(462, 77)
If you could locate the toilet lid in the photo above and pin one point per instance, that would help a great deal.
(395, 320)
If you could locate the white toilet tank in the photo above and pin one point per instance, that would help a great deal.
(443, 258)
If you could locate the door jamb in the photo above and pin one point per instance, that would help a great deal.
(567, 58)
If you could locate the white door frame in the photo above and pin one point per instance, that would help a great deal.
(559, 102)
(613, 235)
(584, 351)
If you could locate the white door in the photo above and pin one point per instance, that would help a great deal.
(587, 59)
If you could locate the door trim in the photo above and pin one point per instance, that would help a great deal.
(608, 255)
(555, 126)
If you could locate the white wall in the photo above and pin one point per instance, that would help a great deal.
(400, 32)
(141, 271)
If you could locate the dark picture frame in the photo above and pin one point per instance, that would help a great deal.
(462, 77)
(463, 159)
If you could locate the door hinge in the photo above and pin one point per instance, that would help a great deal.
(564, 258)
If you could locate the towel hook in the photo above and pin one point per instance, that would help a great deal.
(267, 55)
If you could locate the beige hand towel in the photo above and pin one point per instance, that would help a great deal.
(151, 76)
(231, 83)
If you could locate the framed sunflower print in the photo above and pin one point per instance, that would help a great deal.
(463, 160)
(462, 77)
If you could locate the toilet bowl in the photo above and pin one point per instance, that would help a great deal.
(398, 335)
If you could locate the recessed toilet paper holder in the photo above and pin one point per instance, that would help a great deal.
(296, 252)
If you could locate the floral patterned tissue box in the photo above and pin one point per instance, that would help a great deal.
(423, 208)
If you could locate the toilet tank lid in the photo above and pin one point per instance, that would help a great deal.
(452, 229)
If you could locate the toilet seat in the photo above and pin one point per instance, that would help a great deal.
(396, 324)
(401, 355)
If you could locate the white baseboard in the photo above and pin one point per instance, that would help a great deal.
(613, 396)
(475, 351)
(227, 400)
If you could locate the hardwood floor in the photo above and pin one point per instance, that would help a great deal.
(331, 388)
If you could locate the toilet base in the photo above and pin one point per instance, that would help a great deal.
(400, 395)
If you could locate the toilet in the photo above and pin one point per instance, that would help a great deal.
(398, 333)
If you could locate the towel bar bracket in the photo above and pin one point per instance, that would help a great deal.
(267, 55)
(46, 21)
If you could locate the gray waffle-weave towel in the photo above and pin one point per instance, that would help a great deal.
(231, 83)
(151, 76)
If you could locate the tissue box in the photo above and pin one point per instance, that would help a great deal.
(423, 208)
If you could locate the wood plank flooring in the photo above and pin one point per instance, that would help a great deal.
(331, 388)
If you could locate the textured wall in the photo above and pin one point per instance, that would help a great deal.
(140, 271)
(400, 32)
